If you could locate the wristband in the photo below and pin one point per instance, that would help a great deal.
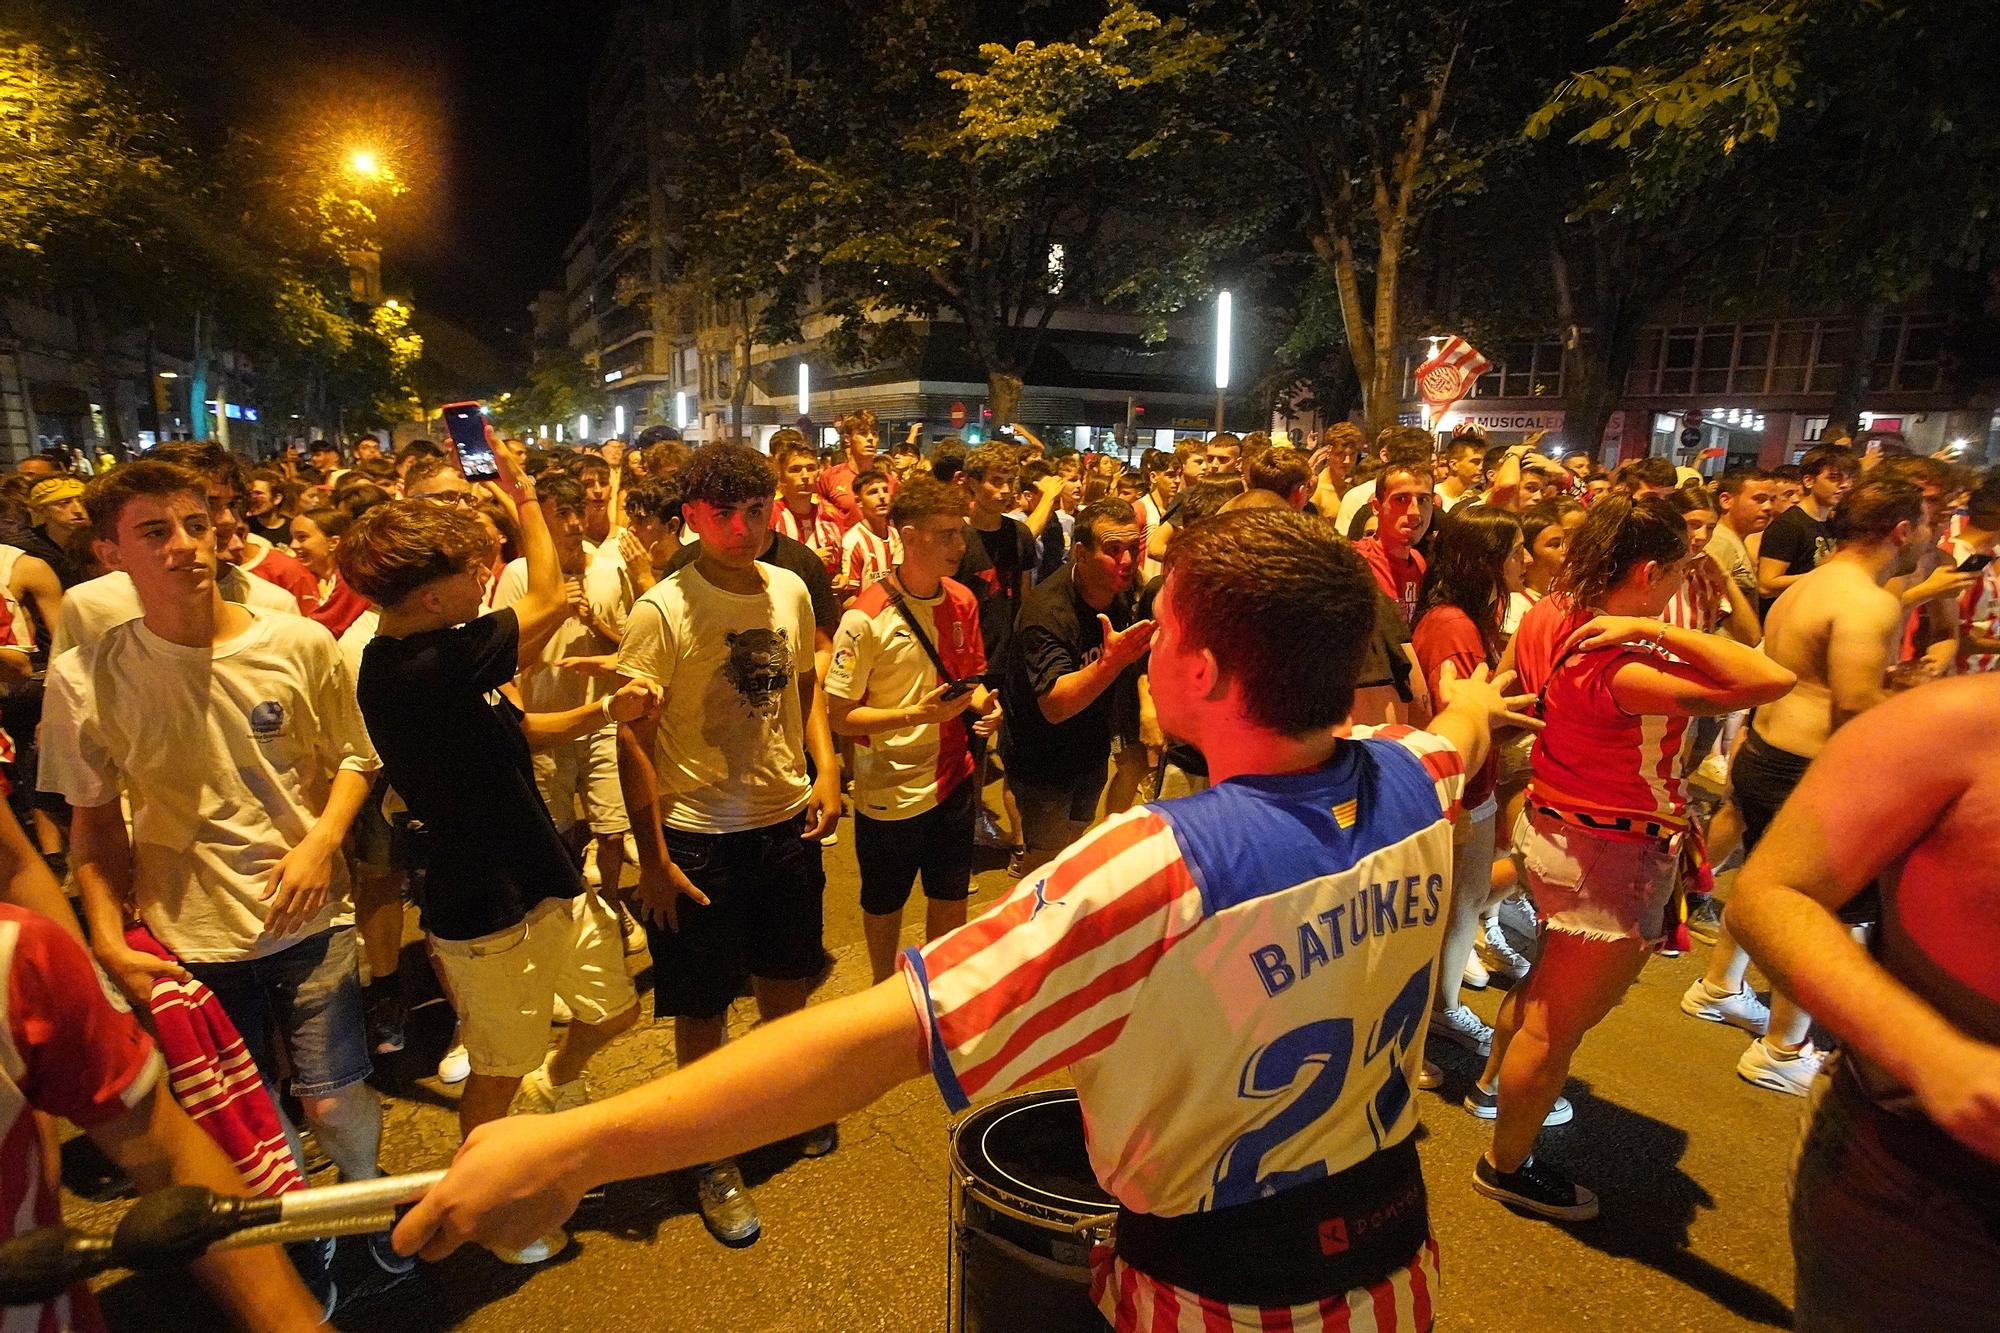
(604, 707)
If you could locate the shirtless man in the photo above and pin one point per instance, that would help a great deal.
(1837, 629)
(1893, 1211)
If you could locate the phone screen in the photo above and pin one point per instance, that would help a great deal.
(1975, 562)
(467, 427)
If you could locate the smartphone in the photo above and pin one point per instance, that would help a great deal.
(961, 687)
(1975, 562)
(467, 427)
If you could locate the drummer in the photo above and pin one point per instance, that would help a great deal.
(1293, 913)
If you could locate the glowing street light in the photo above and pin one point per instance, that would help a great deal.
(363, 162)
(805, 389)
(583, 426)
(1221, 353)
(680, 409)
(618, 421)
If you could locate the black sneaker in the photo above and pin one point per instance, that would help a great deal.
(385, 1013)
(385, 1256)
(1535, 1188)
(1017, 864)
(819, 1142)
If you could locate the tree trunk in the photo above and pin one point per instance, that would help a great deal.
(1003, 395)
(740, 391)
(1854, 376)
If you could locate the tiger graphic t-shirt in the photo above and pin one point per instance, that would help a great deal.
(730, 748)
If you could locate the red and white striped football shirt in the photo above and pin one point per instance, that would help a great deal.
(865, 557)
(820, 530)
(1282, 910)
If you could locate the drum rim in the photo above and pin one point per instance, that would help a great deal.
(1007, 1183)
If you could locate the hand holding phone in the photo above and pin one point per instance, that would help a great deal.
(472, 441)
(1975, 562)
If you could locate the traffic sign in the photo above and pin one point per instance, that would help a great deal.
(1690, 436)
(958, 416)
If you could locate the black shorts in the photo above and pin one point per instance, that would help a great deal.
(1762, 779)
(936, 844)
(763, 917)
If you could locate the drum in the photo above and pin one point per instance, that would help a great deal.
(1025, 1213)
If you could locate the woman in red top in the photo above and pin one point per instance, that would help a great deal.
(1477, 558)
(1602, 836)
(316, 536)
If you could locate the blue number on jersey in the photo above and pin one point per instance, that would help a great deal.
(1274, 1067)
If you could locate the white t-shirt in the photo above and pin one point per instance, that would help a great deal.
(97, 605)
(1352, 501)
(543, 688)
(731, 750)
(228, 753)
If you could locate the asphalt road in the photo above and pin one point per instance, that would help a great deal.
(1691, 1162)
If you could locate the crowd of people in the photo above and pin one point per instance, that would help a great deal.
(1450, 716)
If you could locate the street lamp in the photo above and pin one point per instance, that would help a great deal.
(618, 421)
(1221, 354)
(680, 409)
(583, 426)
(363, 162)
(805, 389)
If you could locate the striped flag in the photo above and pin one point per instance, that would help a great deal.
(1448, 374)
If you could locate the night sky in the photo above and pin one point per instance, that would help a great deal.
(480, 106)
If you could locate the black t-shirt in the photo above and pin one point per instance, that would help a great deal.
(451, 746)
(784, 553)
(1057, 633)
(992, 567)
(1798, 539)
(276, 530)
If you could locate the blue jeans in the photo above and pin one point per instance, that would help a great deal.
(306, 998)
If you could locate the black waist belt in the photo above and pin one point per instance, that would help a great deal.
(1302, 1245)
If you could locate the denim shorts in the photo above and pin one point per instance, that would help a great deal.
(305, 1000)
(1601, 888)
(936, 844)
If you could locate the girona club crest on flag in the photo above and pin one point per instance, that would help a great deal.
(1449, 373)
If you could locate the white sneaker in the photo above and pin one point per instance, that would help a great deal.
(591, 874)
(559, 1013)
(1743, 1009)
(631, 850)
(1518, 915)
(456, 1065)
(548, 1247)
(1460, 1025)
(634, 932)
(1765, 1066)
(1498, 954)
(1476, 976)
(542, 1095)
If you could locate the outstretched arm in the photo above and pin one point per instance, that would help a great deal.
(518, 1178)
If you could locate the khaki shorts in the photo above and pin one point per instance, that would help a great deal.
(504, 984)
(585, 768)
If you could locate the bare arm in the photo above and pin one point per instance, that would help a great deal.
(519, 1177)
(157, 1145)
(1833, 838)
(1772, 578)
(823, 806)
(1720, 676)
(101, 854)
(36, 583)
(28, 881)
(1050, 489)
(1860, 649)
(1076, 690)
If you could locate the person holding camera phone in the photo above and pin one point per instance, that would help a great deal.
(905, 681)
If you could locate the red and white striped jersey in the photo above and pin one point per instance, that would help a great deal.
(865, 558)
(1294, 920)
(1591, 755)
(877, 661)
(820, 531)
(1694, 607)
(1978, 609)
(66, 1050)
